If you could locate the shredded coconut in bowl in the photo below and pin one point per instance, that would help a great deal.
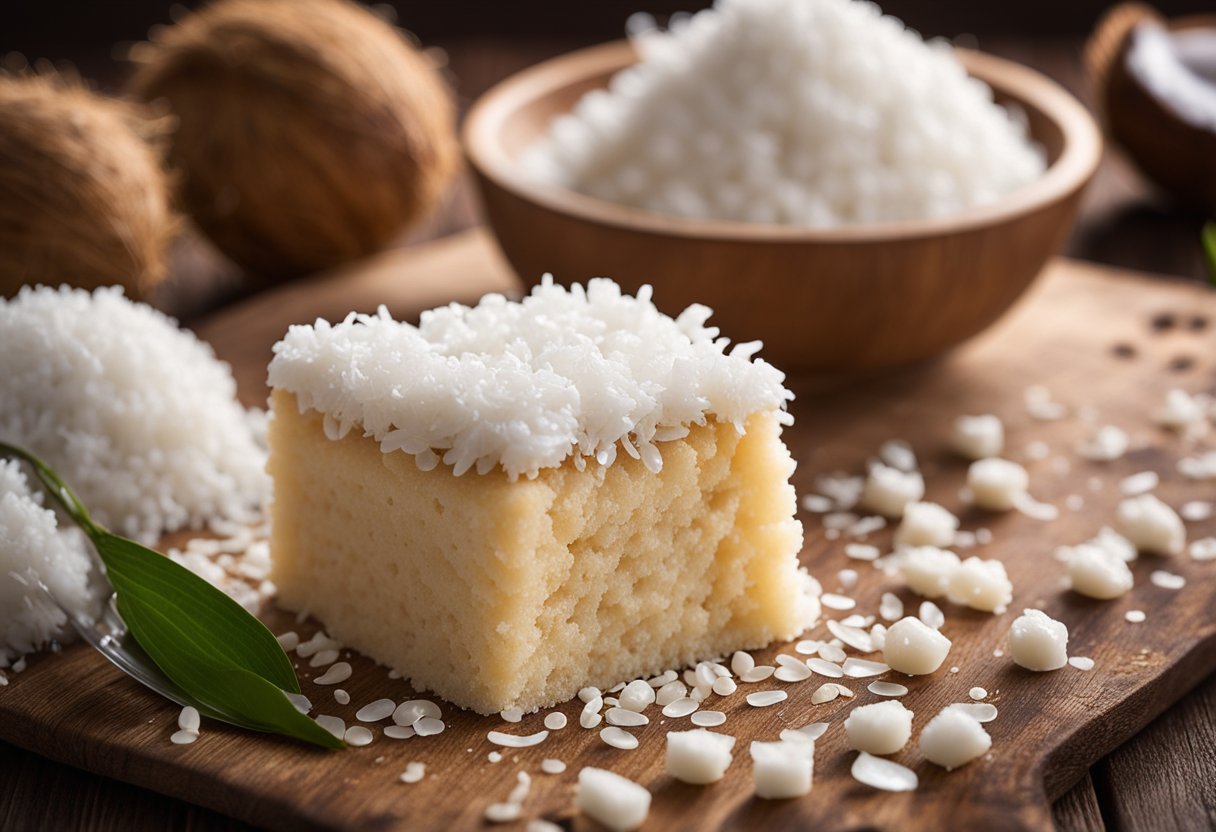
(576, 372)
(33, 548)
(137, 415)
(812, 113)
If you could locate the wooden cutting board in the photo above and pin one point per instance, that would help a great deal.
(1084, 332)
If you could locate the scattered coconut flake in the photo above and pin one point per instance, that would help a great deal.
(399, 732)
(855, 637)
(810, 732)
(414, 772)
(494, 757)
(816, 503)
(503, 812)
(1151, 525)
(512, 714)
(590, 716)
(1140, 483)
(619, 738)
(883, 774)
(336, 674)
(742, 662)
(301, 702)
(847, 578)
(1041, 407)
(332, 724)
(807, 647)
(1204, 549)
(861, 551)
(1135, 616)
(376, 711)
(764, 698)
(319, 641)
(977, 693)
(931, 614)
(555, 721)
(639, 695)
(1166, 580)
(889, 490)
(1036, 451)
(887, 689)
(1197, 510)
(429, 726)
(891, 608)
(825, 693)
(588, 693)
(183, 737)
(1182, 412)
(551, 766)
(412, 710)
(626, 718)
(861, 669)
(708, 719)
(341, 696)
(844, 490)
(979, 711)
(898, 454)
(513, 740)
(681, 707)
(357, 735)
(825, 668)
(1105, 444)
(837, 602)
(1201, 467)
(664, 678)
(724, 686)
(289, 641)
(1074, 502)
(831, 652)
(978, 437)
(1081, 662)
(757, 674)
(323, 657)
(1035, 509)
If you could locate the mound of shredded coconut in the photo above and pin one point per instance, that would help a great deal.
(33, 548)
(137, 415)
(525, 385)
(801, 112)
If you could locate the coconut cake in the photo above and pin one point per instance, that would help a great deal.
(510, 502)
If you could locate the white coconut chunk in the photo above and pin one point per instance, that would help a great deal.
(1096, 572)
(891, 608)
(927, 569)
(881, 728)
(376, 711)
(1204, 549)
(414, 772)
(1115, 543)
(1038, 642)
(886, 775)
(887, 689)
(953, 738)
(765, 698)
(1181, 412)
(783, 769)
(698, 756)
(981, 585)
(1151, 525)
(978, 437)
(996, 484)
(619, 738)
(336, 674)
(637, 696)
(1166, 580)
(1105, 444)
(926, 524)
(512, 714)
(514, 740)
(888, 491)
(914, 648)
(1141, 483)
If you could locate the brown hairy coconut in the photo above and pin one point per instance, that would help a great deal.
(310, 132)
(85, 200)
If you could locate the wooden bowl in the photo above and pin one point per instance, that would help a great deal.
(853, 297)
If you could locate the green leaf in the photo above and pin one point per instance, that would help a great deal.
(1209, 248)
(219, 654)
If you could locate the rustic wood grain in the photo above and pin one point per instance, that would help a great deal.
(1051, 728)
(1078, 809)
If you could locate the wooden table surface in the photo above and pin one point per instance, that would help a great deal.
(1161, 780)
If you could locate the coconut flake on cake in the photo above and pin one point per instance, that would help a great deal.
(564, 373)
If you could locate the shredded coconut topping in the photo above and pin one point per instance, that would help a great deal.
(576, 372)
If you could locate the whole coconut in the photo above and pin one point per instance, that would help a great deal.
(310, 132)
(85, 200)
